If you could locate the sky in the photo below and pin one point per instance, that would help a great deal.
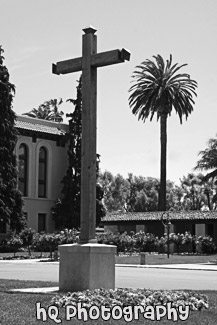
(35, 34)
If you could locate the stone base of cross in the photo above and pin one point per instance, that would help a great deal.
(88, 265)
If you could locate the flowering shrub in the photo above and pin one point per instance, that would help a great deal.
(69, 236)
(132, 297)
(145, 242)
(15, 243)
(44, 242)
(205, 244)
(161, 244)
(188, 242)
(27, 236)
(177, 239)
(124, 242)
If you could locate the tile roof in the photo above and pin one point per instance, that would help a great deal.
(154, 216)
(42, 126)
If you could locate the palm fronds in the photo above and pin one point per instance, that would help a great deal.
(208, 159)
(158, 89)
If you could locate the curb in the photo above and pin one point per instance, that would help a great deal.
(196, 267)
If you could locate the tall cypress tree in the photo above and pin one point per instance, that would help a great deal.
(66, 212)
(10, 197)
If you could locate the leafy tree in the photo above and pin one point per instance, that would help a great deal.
(49, 110)
(10, 197)
(174, 196)
(143, 193)
(66, 212)
(116, 191)
(136, 193)
(210, 190)
(157, 90)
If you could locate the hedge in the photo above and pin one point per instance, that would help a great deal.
(126, 243)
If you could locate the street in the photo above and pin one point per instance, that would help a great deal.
(134, 277)
(166, 278)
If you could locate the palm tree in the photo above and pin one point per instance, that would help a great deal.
(158, 89)
(40, 112)
(53, 105)
(208, 159)
(49, 110)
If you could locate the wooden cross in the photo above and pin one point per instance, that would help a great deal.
(88, 64)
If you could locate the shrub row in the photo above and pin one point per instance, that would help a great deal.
(40, 242)
(126, 243)
(145, 242)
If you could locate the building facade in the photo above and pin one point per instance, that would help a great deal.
(41, 152)
(199, 223)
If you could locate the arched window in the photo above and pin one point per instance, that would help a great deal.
(23, 167)
(42, 173)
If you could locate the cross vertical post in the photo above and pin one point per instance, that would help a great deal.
(88, 147)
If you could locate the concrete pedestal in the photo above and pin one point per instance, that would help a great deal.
(86, 266)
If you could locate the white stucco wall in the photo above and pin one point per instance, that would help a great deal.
(57, 161)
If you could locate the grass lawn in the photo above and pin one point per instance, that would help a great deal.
(151, 259)
(19, 308)
(155, 259)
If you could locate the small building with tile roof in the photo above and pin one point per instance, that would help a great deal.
(41, 151)
(198, 223)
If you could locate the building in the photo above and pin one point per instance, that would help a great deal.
(199, 223)
(42, 160)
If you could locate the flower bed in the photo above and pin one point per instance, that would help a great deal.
(150, 303)
(128, 296)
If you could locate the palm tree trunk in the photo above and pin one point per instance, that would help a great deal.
(163, 163)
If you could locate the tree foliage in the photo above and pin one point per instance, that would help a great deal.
(136, 193)
(140, 194)
(157, 90)
(116, 190)
(198, 193)
(144, 193)
(49, 110)
(66, 212)
(10, 197)
(208, 159)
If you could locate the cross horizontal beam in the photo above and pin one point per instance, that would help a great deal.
(67, 66)
(110, 57)
(97, 60)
